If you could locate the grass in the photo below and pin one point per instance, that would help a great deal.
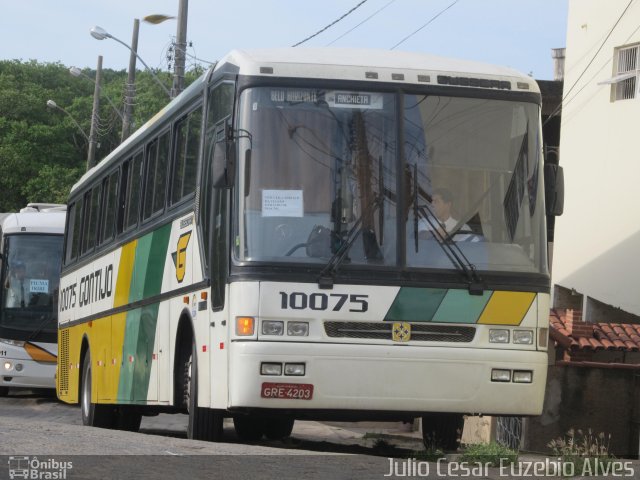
(584, 450)
(488, 453)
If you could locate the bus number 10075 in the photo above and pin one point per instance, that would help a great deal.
(322, 301)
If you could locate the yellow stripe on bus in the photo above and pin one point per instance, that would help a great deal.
(507, 308)
(125, 269)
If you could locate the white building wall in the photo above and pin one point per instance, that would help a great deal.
(597, 240)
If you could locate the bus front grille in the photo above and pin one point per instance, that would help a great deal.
(382, 331)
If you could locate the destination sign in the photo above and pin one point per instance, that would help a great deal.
(335, 99)
(355, 100)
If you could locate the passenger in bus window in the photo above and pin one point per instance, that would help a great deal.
(17, 287)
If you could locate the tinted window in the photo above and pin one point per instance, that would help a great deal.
(132, 201)
(92, 206)
(183, 180)
(70, 254)
(156, 175)
(109, 206)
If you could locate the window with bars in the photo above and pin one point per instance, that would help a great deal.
(626, 79)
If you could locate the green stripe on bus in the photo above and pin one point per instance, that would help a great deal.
(458, 306)
(416, 304)
(140, 330)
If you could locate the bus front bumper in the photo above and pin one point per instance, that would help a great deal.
(387, 378)
(21, 373)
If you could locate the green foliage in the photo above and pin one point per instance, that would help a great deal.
(489, 453)
(42, 151)
(586, 451)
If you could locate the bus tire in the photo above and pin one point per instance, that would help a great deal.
(278, 428)
(204, 423)
(4, 391)
(442, 430)
(249, 428)
(93, 414)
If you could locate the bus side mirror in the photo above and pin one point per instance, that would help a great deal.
(554, 189)
(223, 164)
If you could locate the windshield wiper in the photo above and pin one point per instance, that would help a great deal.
(39, 329)
(326, 276)
(450, 248)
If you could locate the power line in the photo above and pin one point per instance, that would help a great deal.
(566, 95)
(365, 20)
(430, 20)
(330, 25)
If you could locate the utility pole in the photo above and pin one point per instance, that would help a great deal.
(130, 87)
(180, 49)
(93, 132)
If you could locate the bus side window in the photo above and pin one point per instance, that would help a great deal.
(72, 239)
(132, 202)
(220, 105)
(219, 251)
(185, 159)
(109, 210)
(122, 196)
(156, 176)
(91, 210)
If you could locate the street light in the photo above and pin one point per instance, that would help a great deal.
(51, 104)
(76, 72)
(100, 34)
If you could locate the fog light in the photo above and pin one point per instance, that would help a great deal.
(272, 327)
(523, 337)
(498, 336)
(294, 369)
(18, 367)
(522, 376)
(7, 365)
(270, 368)
(498, 375)
(298, 329)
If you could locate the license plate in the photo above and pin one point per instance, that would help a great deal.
(294, 391)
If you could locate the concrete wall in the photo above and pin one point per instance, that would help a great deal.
(597, 240)
(605, 400)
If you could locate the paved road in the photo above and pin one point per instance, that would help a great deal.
(43, 438)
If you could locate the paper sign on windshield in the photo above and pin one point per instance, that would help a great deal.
(39, 286)
(282, 203)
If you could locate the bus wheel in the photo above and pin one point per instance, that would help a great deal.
(204, 423)
(128, 419)
(277, 428)
(93, 415)
(249, 428)
(4, 391)
(442, 430)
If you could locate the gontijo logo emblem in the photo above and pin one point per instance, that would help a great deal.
(401, 332)
(180, 256)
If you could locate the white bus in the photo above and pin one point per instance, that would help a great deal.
(30, 256)
(309, 234)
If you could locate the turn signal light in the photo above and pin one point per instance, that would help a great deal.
(245, 326)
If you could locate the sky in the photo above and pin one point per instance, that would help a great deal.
(515, 33)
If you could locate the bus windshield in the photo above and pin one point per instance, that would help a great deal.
(327, 166)
(30, 279)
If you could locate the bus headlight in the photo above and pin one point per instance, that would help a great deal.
(498, 336)
(522, 376)
(294, 369)
(298, 329)
(523, 337)
(272, 327)
(499, 375)
(267, 368)
(7, 365)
